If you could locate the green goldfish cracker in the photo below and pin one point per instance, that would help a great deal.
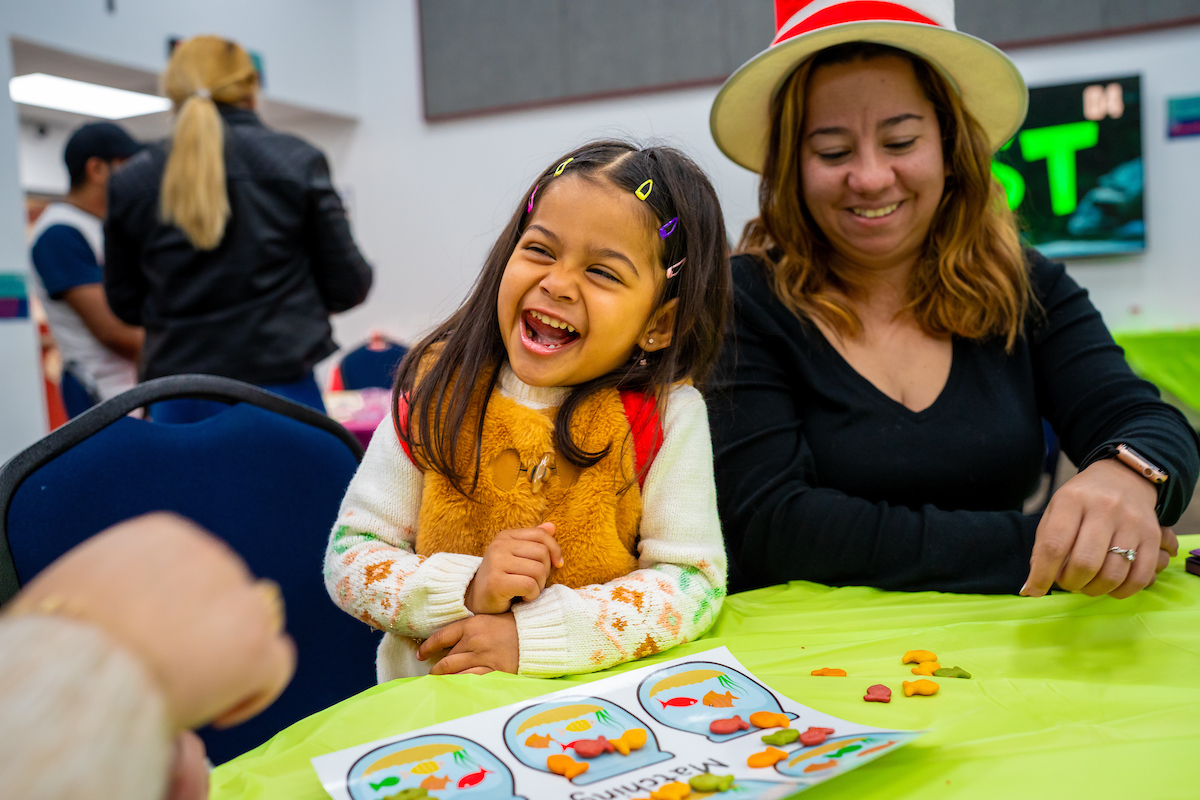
(784, 736)
(710, 783)
(951, 672)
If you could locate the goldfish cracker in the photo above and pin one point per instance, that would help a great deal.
(671, 791)
(926, 668)
(632, 739)
(952, 672)
(769, 719)
(917, 656)
(927, 688)
(723, 727)
(829, 672)
(815, 736)
(784, 736)
(878, 694)
(767, 758)
(565, 765)
(710, 783)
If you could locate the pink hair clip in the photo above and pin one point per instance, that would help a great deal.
(673, 270)
(668, 228)
(529, 208)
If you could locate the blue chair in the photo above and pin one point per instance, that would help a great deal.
(265, 474)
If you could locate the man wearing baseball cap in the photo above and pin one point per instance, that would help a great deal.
(67, 248)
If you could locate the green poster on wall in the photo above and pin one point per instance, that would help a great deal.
(1073, 173)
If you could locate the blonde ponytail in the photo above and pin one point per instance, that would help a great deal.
(203, 71)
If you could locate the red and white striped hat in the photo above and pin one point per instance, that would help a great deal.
(989, 84)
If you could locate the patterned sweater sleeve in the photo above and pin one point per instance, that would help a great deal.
(371, 568)
(674, 595)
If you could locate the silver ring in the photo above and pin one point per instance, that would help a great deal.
(1130, 554)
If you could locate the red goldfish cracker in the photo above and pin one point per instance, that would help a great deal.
(917, 656)
(565, 765)
(927, 688)
(671, 791)
(829, 672)
(769, 719)
(926, 668)
(815, 736)
(767, 758)
(721, 727)
(591, 748)
(878, 694)
(632, 739)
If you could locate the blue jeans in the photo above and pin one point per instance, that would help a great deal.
(180, 412)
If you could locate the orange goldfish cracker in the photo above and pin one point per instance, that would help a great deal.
(565, 765)
(926, 668)
(767, 758)
(671, 791)
(829, 672)
(927, 688)
(632, 739)
(769, 719)
(917, 656)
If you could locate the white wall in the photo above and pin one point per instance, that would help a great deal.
(42, 168)
(1159, 288)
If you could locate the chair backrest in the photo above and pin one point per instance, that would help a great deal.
(266, 474)
(367, 367)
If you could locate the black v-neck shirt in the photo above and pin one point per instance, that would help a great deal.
(823, 477)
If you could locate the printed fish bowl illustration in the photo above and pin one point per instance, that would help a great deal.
(706, 698)
(443, 766)
(584, 739)
(841, 754)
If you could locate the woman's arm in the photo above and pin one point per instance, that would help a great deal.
(371, 569)
(343, 276)
(674, 595)
(1094, 401)
(780, 526)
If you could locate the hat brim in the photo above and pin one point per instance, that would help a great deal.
(988, 82)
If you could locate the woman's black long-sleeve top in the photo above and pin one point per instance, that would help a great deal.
(822, 477)
(257, 307)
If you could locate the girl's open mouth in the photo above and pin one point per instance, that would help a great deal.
(545, 335)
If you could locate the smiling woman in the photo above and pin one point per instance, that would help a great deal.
(878, 412)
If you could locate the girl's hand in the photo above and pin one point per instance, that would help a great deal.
(517, 564)
(476, 645)
(1106, 505)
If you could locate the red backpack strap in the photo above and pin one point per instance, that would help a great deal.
(641, 409)
(400, 421)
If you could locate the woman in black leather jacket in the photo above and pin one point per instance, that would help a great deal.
(229, 243)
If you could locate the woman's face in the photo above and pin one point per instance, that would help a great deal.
(871, 160)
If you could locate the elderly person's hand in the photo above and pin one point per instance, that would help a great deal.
(1105, 507)
(185, 604)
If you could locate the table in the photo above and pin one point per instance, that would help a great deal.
(1169, 359)
(1072, 696)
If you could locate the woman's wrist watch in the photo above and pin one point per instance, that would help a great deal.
(1139, 464)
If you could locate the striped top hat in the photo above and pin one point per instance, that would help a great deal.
(990, 86)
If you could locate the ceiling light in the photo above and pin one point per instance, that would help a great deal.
(89, 99)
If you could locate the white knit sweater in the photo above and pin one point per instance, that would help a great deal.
(373, 573)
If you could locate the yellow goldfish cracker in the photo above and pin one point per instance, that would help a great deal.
(769, 719)
(767, 758)
(926, 668)
(565, 765)
(917, 656)
(671, 791)
(632, 739)
(923, 687)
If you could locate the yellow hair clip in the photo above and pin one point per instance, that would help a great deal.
(645, 189)
(562, 166)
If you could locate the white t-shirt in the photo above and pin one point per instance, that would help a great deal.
(61, 262)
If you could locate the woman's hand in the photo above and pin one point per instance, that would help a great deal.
(516, 564)
(479, 644)
(1106, 505)
(182, 601)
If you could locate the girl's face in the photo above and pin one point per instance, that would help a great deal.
(579, 292)
(871, 160)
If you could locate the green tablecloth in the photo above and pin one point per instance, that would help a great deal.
(1169, 359)
(1072, 697)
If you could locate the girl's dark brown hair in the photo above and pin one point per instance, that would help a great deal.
(971, 280)
(468, 348)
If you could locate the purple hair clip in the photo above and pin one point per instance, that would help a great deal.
(533, 194)
(673, 270)
(668, 228)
